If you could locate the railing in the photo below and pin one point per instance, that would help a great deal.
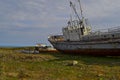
(115, 29)
(109, 30)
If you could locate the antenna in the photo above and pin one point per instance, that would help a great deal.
(81, 9)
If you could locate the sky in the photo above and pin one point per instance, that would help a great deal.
(27, 22)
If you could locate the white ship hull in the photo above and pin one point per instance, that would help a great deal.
(78, 38)
(103, 48)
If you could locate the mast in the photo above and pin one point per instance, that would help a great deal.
(81, 9)
(82, 21)
(73, 6)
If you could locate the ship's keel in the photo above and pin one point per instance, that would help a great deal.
(93, 52)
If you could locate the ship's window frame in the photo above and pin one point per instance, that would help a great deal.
(113, 35)
(105, 36)
(68, 39)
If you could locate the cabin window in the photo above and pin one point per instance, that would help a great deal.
(104, 36)
(68, 39)
(113, 36)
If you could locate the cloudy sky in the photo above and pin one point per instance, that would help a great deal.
(27, 22)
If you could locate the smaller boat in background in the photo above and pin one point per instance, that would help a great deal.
(44, 48)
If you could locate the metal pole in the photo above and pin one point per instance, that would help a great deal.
(81, 8)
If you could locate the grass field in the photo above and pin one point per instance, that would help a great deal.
(56, 66)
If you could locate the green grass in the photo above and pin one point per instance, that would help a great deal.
(55, 66)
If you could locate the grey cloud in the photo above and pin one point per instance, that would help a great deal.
(35, 19)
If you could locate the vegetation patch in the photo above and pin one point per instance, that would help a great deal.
(56, 66)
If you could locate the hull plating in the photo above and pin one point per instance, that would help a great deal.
(94, 49)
